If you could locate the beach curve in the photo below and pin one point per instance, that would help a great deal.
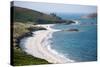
(39, 46)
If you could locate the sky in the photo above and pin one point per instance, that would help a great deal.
(56, 8)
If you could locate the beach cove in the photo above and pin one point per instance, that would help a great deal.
(39, 45)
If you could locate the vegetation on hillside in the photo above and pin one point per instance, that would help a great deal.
(21, 30)
(29, 15)
(21, 58)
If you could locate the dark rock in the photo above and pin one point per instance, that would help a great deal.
(28, 34)
(69, 22)
(35, 28)
(71, 30)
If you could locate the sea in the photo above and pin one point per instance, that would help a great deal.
(79, 46)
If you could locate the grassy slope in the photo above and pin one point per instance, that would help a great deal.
(20, 57)
(28, 15)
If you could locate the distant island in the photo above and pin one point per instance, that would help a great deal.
(92, 15)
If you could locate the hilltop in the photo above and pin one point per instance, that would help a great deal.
(28, 15)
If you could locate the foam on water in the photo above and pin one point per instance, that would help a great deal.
(48, 42)
(49, 54)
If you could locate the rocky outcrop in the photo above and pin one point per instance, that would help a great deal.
(76, 30)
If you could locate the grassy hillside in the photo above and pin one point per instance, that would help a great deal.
(28, 15)
(19, 57)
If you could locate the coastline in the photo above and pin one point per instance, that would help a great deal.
(39, 46)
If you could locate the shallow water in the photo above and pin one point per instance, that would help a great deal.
(78, 46)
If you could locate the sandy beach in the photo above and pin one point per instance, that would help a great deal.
(39, 46)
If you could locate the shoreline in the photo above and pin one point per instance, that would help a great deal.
(39, 46)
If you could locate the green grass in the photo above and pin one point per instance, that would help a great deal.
(21, 58)
(19, 29)
(28, 15)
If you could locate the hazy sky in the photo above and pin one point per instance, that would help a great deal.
(56, 8)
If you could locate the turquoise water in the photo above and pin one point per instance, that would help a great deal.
(78, 46)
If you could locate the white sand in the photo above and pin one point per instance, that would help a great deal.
(39, 46)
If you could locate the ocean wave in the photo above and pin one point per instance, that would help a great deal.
(76, 22)
(39, 46)
(60, 55)
(48, 42)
